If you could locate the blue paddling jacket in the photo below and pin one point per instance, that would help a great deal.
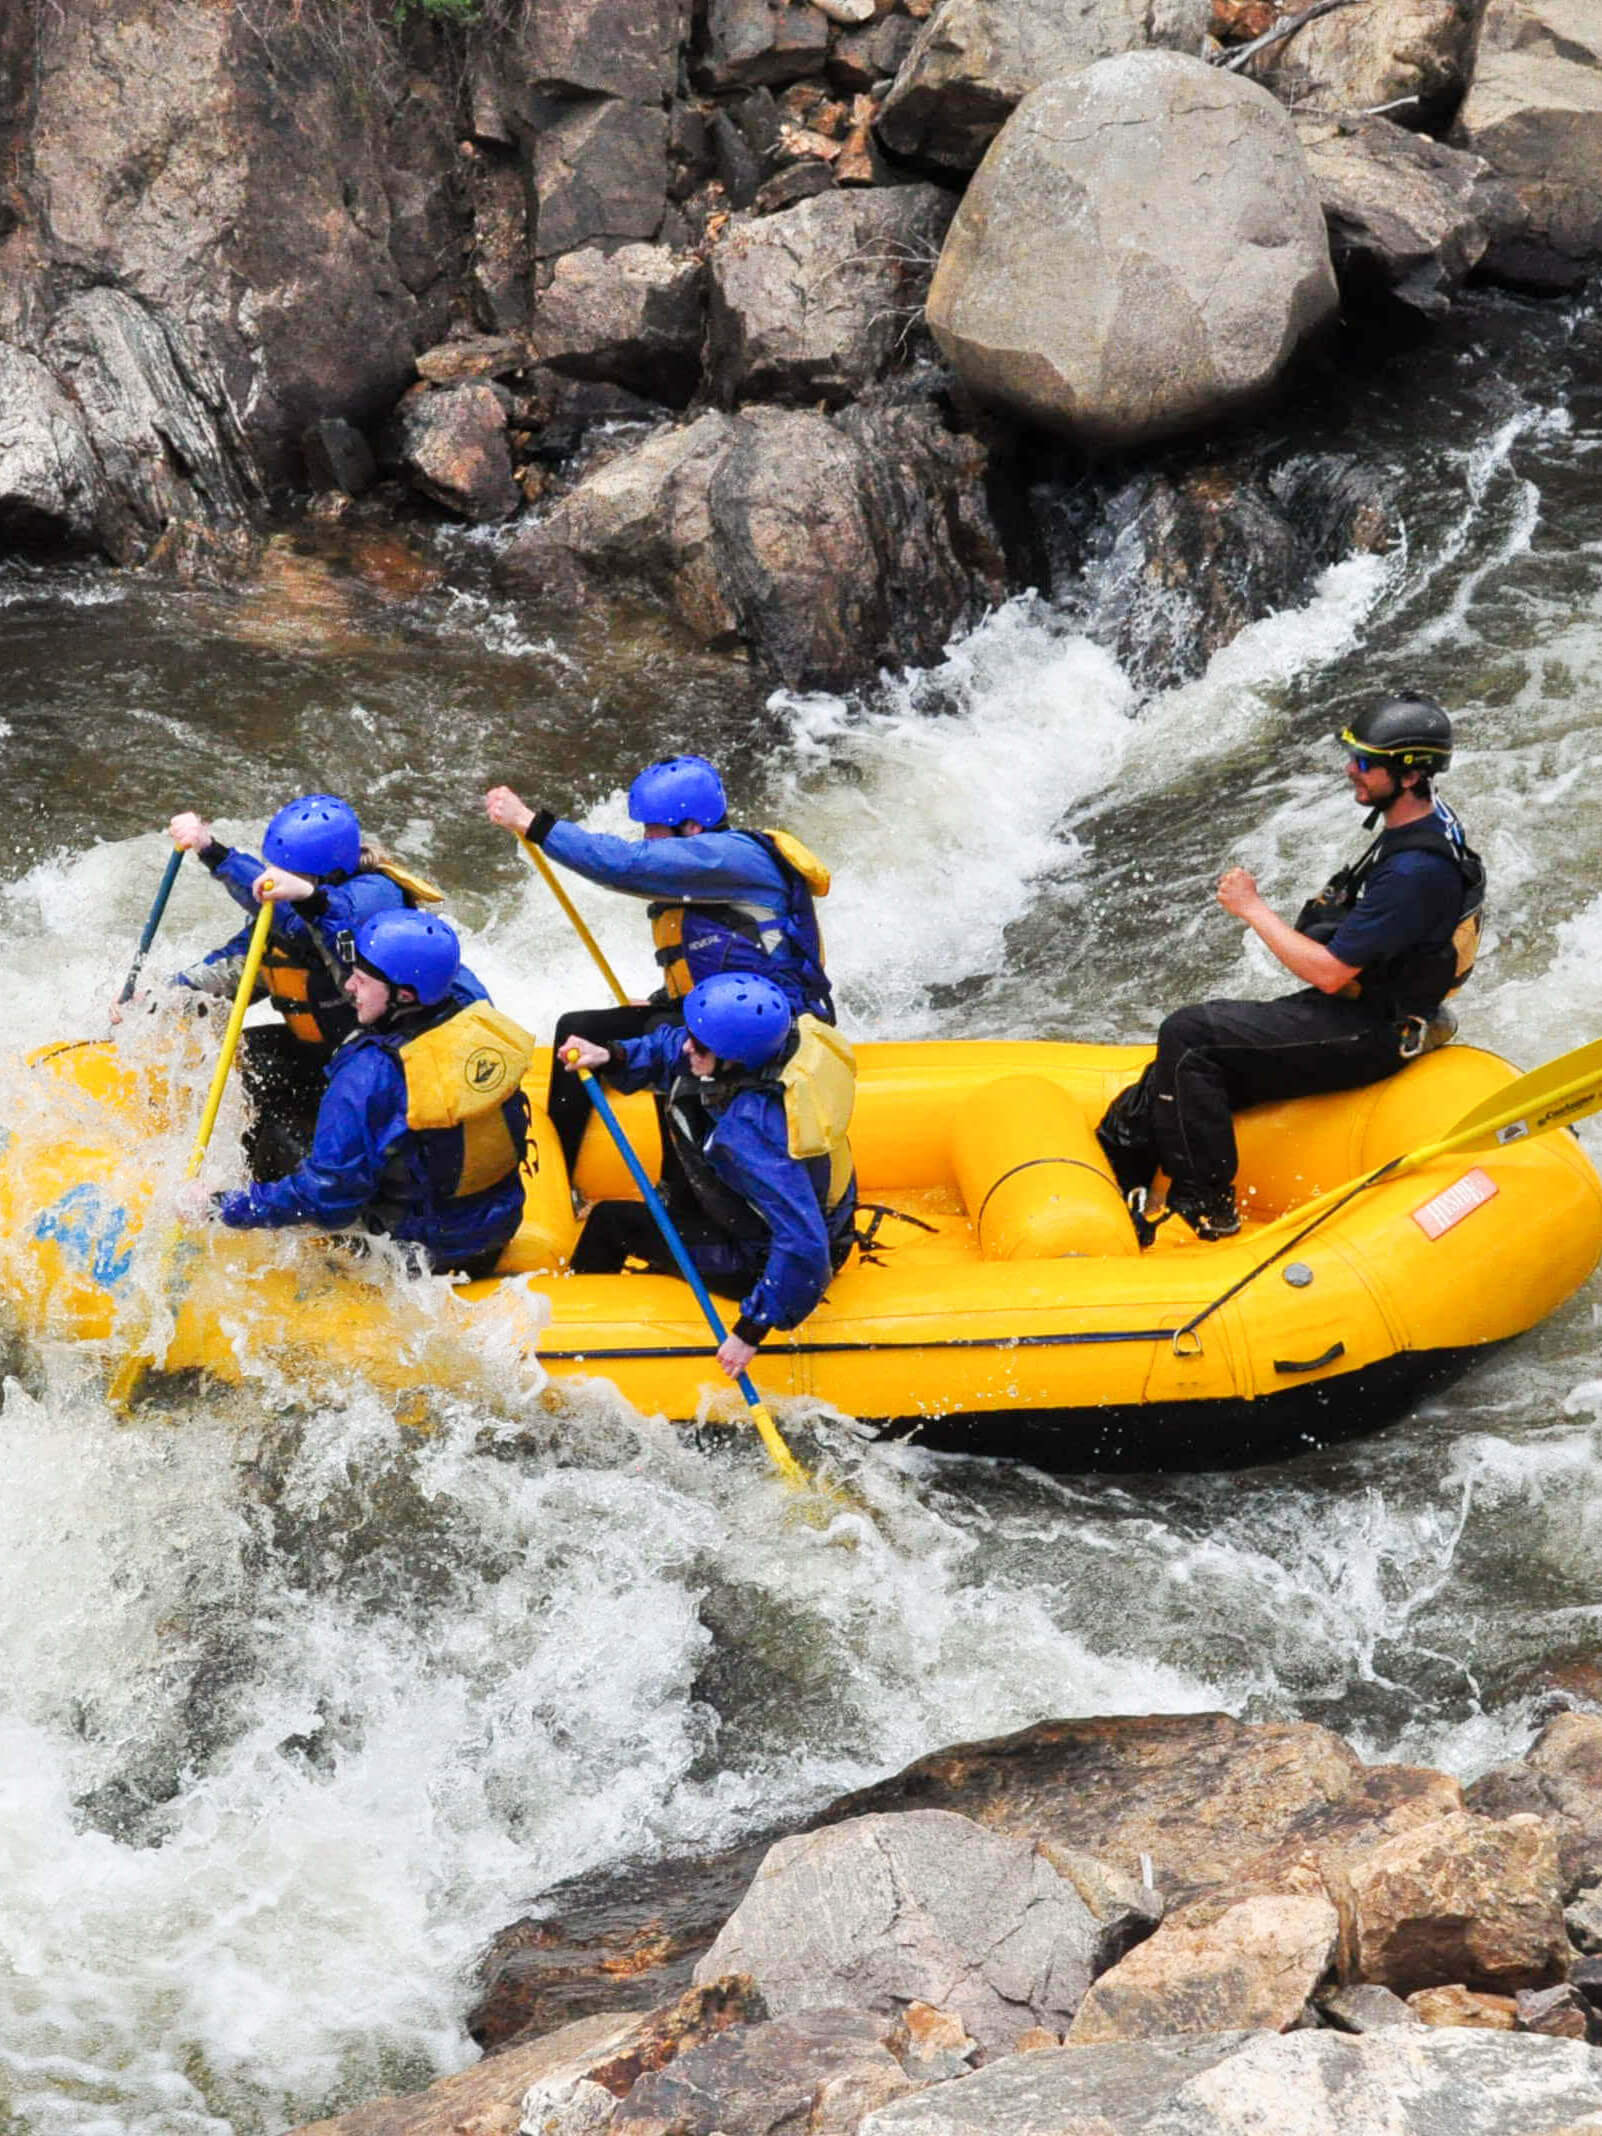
(455, 1191)
(302, 972)
(720, 901)
(732, 1140)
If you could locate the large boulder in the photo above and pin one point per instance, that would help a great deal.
(780, 529)
(1464, 1899)
(600, 173)
(974, 61)
(816, 302)
(1416, 54)
(1142, 251)
(1295, 2084)
(1204, 1801)
(644, 520)
(634, 316)
(926, 1907)
(1252, 1968)
(1408, 217)
(1534, 113)
(453, 449)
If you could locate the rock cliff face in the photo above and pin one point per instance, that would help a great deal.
(252, 247)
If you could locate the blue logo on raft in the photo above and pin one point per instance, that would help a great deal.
(88, 1234)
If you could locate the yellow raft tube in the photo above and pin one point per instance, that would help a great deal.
(1003, 1308)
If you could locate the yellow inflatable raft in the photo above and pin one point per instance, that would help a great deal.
(1003, 1306)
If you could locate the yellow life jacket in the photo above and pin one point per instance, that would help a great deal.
(288, 980)
(755, 924)
(462, 1074)
(417, 888)
(820, 1091)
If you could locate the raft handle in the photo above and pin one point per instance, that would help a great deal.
(1187, 1342)
(1310, 1364)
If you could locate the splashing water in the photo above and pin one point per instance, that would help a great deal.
(299, 1707)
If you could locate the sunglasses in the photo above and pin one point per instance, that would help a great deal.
(1365, 762)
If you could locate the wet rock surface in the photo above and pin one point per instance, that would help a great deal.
(452, 448)
(1045, 302)
(1534, 112)
(1415, 55)
(815, 303)
(634, 317)
(975, 61)
(1407, 216)
(883, 1911)
(1462, 1899)
(1560, 1782)
(1254, 1967)
(772, 527)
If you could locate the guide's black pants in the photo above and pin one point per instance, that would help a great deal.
(567, 1102)
(1218, 1057)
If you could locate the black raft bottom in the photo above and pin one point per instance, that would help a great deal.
(1228, 1433)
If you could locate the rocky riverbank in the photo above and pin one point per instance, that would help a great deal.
(776, 314)
(1169, 1924)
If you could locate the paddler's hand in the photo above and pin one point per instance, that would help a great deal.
(194, 1203)
(190, 832)
(282, 887)
(584, 1053)
(134, 1001)
(1238, 893)
(735, 1356)
(504, 807)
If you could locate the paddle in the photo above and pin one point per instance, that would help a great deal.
(168, 878)
(1555, 1095)
(125, 1385)
(577, 919)
(778, 1453)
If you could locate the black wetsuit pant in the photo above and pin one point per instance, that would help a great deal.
(568, 1102)
(618, 1232)
(284, 1080)
(1218, 1057)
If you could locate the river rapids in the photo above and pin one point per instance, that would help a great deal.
(297, 1708)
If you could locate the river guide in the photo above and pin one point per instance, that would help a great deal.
(719, 900)
(1378, 950)
(999, 1302)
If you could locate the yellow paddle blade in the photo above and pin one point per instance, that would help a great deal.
(778, 1453)
(1554, 1095)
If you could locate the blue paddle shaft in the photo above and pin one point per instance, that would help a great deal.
(664, 1222)
(169, 877)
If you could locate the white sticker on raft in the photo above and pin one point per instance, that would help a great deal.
(1453, 1203)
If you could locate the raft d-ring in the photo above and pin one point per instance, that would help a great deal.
(1187, 1342)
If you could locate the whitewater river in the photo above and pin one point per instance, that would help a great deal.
(295, 1710)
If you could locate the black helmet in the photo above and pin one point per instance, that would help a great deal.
(1410, 731)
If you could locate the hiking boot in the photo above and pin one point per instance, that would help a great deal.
(1210, 1216)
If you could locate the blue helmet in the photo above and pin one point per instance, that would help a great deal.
(739, 1016)
(316, 835)
(682, 789)
(415, 949)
